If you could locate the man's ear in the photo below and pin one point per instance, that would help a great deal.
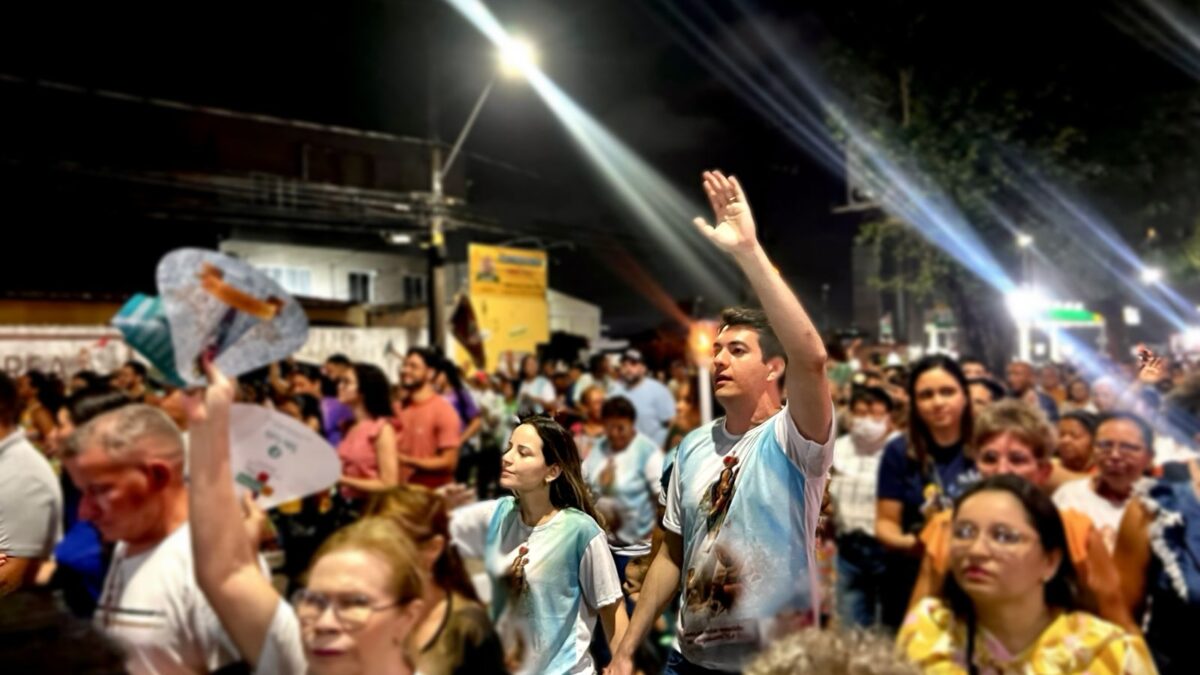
(775, 368)
(158, 473)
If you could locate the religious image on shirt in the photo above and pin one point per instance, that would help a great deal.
(720, 496)
(715, 588)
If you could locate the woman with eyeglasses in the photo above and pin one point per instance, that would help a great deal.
(368, 450)
(1124, 446)
(1010, 604)
(1157, 552)
(364, 589)
(548, 559)
(455, 636)
(1012, 437)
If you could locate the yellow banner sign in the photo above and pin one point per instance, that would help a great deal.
(507, 287)
(496, 270)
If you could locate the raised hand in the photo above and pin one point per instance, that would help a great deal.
(1152, 369)
(734, 232)
(216, 398)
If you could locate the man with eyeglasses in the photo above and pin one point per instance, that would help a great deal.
(1124, 452)
(128, 464)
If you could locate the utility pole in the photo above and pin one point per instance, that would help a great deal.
(436, 281)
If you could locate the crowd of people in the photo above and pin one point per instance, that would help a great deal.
(578, 517)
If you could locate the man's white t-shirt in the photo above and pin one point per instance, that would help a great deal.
(1105, 515)
(153, 609)
(31, 501)
(747, 508)
(569, 576)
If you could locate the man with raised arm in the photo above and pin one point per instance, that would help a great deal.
(745, 492)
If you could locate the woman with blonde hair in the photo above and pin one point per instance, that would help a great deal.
(455, 635)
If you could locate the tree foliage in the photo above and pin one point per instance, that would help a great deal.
(987, 102)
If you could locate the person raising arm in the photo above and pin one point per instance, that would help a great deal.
(776, 461)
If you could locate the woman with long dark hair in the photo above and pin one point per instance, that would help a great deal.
(1011, 600)
(368, 451)
(545, 553)
(921, 473)
(455, 635)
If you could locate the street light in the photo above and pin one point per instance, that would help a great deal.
(1024, 240)
(1026, 303)
(1151, 275)
(517, 57)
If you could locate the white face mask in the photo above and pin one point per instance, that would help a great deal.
(868, 433)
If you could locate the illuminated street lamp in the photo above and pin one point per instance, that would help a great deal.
(1026, 304)
(1151, 275)
(1024, 240)
(516, 58)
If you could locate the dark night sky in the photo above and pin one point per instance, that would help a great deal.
(368, 64)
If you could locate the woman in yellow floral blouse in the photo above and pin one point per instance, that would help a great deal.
(1010, 603)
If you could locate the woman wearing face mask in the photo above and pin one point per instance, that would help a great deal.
(547, 557)
(856, 455)
(1012, 437)
(364, 588)
(455, 636)
(1010, 603)
(922, 472)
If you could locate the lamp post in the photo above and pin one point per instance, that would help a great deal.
(517, 58)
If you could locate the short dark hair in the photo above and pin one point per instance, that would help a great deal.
(618, 407)
(10, 404)
(430, 356)
(755, 319)
(871, 395)
(85, 405)
(1142, 425)
(997, 390)
(1087, 419)
(138, 368)
(339, 360)
(308, 371)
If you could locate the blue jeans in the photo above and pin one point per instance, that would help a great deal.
(860, 576)
(677, 665)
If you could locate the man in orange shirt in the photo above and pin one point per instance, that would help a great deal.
(429, 427)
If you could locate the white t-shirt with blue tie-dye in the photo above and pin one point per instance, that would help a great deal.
(569, 575)
(747, 578)
(633, 486)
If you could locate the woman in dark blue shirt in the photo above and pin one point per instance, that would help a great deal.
(922, 473)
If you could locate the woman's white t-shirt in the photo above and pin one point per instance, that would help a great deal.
(569, 574)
